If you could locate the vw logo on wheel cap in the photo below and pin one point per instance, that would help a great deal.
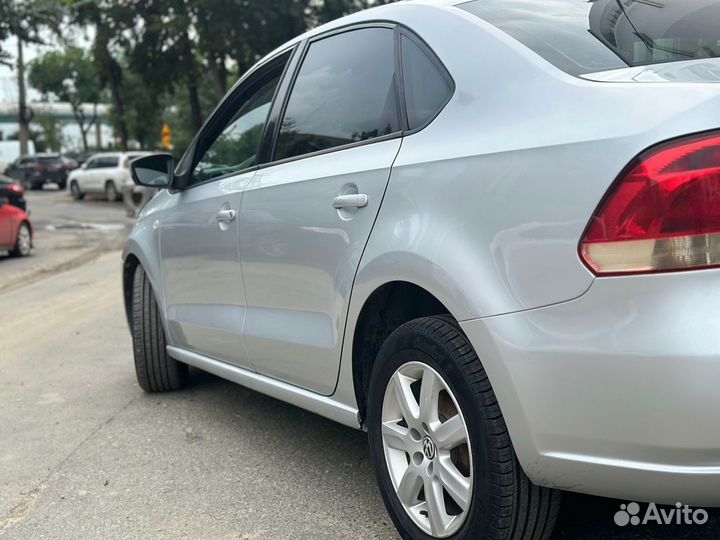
(428, 448)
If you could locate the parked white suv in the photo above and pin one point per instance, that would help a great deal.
(104, 173)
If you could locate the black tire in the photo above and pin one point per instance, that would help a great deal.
(62, 186)
(37, 186)
(75, 191)
(22, 249)
(504, 503)
(156, 371)
(111, 192)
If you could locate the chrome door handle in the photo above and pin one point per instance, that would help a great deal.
(359, 200)
(226, 216)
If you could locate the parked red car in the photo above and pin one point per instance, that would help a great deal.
(16, 231)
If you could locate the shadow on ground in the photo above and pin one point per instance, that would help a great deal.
(582, 517)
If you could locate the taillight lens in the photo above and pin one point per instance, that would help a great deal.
(16, 188)
(662, 215)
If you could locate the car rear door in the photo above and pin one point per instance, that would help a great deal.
(204, 291)
(305, 218)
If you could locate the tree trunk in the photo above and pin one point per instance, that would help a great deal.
(114, 79)
(219, 73)
(195, 110)
(24, 131)
(113, 72)
(80, 119)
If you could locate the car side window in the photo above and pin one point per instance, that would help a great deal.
(237, 147)
(345, 92)
(108, 162)
(91, 164)
(427, 87)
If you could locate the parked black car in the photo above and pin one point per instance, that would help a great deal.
(13, 191)
(37, 170)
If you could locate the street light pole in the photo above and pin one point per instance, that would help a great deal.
(22, 104)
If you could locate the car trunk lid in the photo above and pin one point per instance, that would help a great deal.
(706, 70)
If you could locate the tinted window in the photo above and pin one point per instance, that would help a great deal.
(50, 160)
(581, 36)
(106, 163)
(344, 93)
(237, 146)
(427, 89)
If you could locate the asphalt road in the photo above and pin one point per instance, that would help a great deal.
(84, 453)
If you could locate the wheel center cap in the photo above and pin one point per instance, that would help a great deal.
(428, 447)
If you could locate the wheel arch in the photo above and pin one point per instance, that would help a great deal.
(389, 306)
(134, 256)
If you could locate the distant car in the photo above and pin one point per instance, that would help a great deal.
(105, 173)
(16, 231)
(13, 191)
(37, 170)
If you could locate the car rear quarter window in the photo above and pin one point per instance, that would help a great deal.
(344, 93)
(581, 36)
(427, 86)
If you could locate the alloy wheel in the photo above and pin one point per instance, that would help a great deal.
(24, 241)
(427, 449)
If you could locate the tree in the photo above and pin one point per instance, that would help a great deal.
(111, 20)
(50, 137)
(23, 20)
(70, 75)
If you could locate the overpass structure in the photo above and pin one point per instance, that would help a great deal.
(61, 111)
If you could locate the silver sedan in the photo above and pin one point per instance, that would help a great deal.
(486, 232)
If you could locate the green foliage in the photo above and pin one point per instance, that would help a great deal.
(49, 138)
(70, 75)
(172, 60)
(24, 19)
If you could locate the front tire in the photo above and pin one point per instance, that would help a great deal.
(23, 241)
(75, 191)
(439, 444)
(156, 371)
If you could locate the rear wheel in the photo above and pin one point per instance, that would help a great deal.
(75, 191)
(23, 242)
(111, 192)
(37, 186)
(441, 451)
(156, 371)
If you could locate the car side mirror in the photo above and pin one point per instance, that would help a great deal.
(154, 171)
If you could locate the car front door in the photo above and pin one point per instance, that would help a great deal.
(86, 176)
(204, 292)
(305, 218)
(5, 223)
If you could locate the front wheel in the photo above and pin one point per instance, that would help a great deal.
(23, 241)
(156, 371)
(75, 191)
(440, 447)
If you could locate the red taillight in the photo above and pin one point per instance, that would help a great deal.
(662, 215)
(16, 188)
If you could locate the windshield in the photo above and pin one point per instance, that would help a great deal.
(585, 36)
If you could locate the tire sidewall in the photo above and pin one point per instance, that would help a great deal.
(111, 192)
(405, 346)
